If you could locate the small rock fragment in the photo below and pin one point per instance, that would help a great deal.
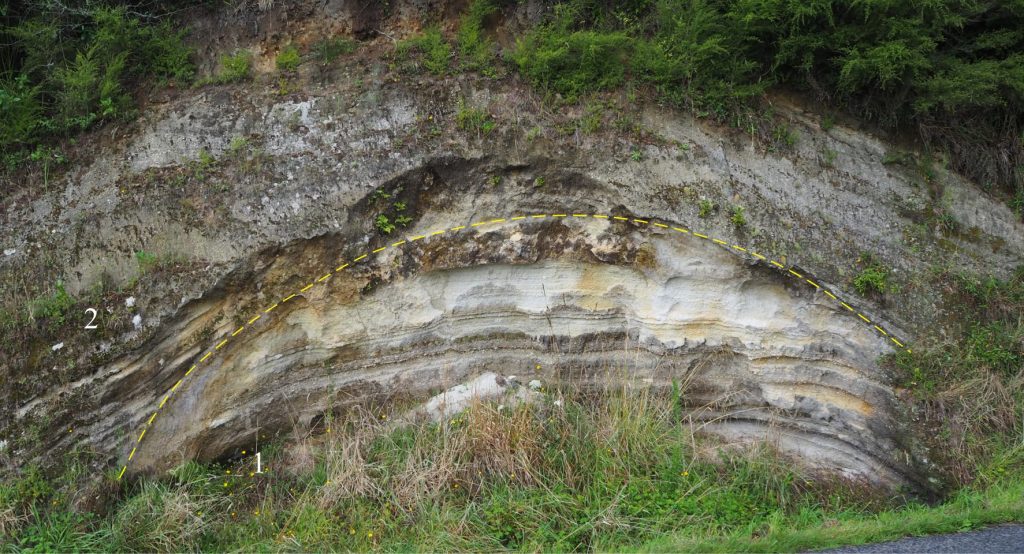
(57, 346)
(129, 302)
(535, 385)
(10, 251)
(137, 321)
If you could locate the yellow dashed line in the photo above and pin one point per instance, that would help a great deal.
(558, 215)
(399, 243)
(600, 216)
(303, 289)
(830, 295)
(681, 230)
(740, 248)
(758, 256)
(120, 475)
(621, 218)
(847, 306)
(142, 435)
(860, 315)
(798, 276)
(176, 385)
(778, 265)
(461, 227)
(722, 242)
(499, 220)
(696, 234)
(253, 320)
(812, 283)
(208, 354)
(164, 401)
(641, 221)
(363, 257)
(341, 267)
(190, 370)
(381, 249)
(435, 233)
(132, 455)
(662, 225)
(518, 217)
(880, 330)
(898, 343)
(289, 297)
(221, 344)
(151, 418)
(239, 330)
(539, 216)
(270, 309)
(418, 237)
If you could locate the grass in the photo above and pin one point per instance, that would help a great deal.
(609, 470)
(428, 49)
(473, 119)
(288, 59)
(329, 49)
(872, 279)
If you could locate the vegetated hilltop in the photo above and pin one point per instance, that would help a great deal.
(179, 166)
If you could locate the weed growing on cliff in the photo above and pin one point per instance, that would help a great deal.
(430, 48)
(233, 68)
(288, 59)
(52, 308)
(329, 49)
(476, 50)
(473, 119)
(706, 208)
(384, 225)
(737, 217)
(969, 387)
(872, 279)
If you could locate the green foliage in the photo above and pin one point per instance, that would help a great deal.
(383, 224)
(63, 70)
(872, 279)
(146, 260)
(739, 220)
(949, 70)
(572, 63)
(828, 157)
(288, 58)
(234, 67)
(705, 208)
(473, 119)
(329, 49)
(53, 308)
(431, 49)
(476, 50)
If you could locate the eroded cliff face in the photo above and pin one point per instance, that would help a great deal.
(579, 300)
(766, 354)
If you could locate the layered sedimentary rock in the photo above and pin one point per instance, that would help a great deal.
(762, 355)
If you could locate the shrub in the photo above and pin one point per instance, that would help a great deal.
(431, 48)
(65, 70)
(234, 67)
(475, 48)
(288, 58)
(383, 224)
(872, 279)
(739, 220)
(53, 308)
(705, 208)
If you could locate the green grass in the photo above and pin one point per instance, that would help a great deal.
(873, 279)
(473, 119)
(614, 470)
(234, 67)
(428, 49)
(288, 59)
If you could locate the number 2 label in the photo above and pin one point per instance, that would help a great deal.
(91, 324)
